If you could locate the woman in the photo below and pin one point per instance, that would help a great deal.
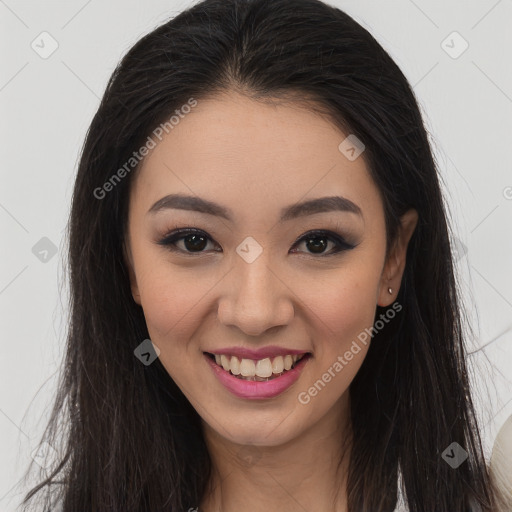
(264, 308)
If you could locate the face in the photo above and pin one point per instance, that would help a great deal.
(258, 275)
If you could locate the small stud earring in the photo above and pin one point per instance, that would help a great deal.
(390, 290)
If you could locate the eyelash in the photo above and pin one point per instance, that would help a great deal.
(169, 241)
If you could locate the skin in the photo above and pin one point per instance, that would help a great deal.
(256, 158)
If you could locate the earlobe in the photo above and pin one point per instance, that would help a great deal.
(395, 264)
(128, 259)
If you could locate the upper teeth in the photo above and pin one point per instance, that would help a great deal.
(262, 368)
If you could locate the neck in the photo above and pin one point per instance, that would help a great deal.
(307, 472)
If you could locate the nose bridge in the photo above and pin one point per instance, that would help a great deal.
(256, 299)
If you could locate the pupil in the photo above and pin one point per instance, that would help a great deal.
(197, 242)
(321, 244)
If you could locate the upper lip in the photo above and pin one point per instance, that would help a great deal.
(256, 354)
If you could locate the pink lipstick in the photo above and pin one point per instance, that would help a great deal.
(263, 388)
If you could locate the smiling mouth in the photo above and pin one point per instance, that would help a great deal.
(258, 371)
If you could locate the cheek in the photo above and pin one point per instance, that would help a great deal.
(343, 304)
(339, 313)
(172, 299)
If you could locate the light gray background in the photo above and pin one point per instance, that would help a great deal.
(47, 105)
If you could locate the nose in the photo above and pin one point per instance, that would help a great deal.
(255, 298)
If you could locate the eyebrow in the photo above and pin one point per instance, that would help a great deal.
(310, 207)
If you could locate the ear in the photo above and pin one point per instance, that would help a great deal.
(128, 259)
(395, 263)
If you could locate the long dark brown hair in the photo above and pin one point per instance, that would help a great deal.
(130, 441)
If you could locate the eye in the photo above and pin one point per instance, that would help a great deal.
(318, 240)
(195, 241)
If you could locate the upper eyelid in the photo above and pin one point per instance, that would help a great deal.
(182, 232)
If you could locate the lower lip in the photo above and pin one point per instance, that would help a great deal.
(257, 390)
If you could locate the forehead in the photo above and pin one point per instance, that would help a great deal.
(254, 157)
